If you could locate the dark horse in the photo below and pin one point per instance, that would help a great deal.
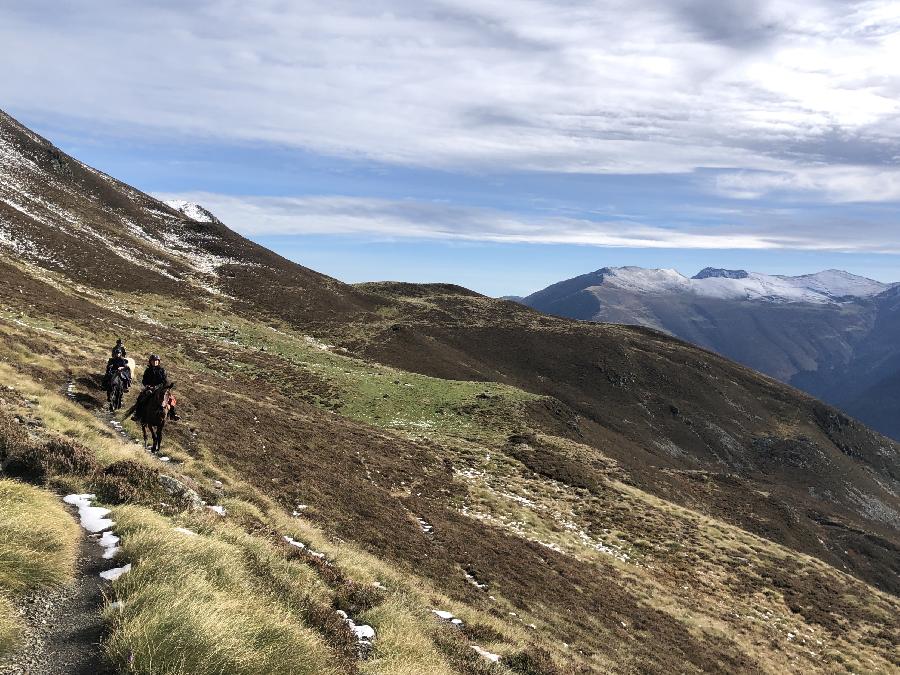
(154, 412)
(115, 389)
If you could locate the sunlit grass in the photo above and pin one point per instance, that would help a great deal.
(38, 547)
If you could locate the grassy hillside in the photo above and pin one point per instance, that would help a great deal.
(579, 498)
(516, 516)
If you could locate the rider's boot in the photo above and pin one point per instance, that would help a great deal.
(173, 415)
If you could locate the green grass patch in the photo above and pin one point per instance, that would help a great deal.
(376, 394)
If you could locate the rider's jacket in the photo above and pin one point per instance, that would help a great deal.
(153, 376)
(116, 362)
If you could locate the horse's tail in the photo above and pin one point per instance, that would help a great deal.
(128, 412)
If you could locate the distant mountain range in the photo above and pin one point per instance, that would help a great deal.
(833, 334)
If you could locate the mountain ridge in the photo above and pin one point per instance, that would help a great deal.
(820, 332)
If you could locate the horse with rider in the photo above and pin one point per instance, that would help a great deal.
(154, 378)
(155, 403)
(117, 379)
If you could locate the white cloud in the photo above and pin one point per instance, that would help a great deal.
(612, 86)
(411, 219)
(832, 183)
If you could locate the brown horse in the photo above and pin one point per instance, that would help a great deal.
(154, 412)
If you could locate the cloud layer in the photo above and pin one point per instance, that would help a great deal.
(380, 218)
(790, 96)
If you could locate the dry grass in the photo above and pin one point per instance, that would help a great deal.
(38, 547)
(223, 600)
(193, 604)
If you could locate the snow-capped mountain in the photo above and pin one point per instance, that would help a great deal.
(831, 333)
(823, 287)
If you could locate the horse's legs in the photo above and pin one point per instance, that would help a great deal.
(159, 432)
(144, 431)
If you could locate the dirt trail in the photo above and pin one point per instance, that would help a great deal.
(64, 627)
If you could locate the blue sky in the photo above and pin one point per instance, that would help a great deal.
(500, 145)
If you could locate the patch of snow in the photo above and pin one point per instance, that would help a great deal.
(218, 509)
(486, 654)
(443, 614)
(837, 283)
(115, 572)
(415, 424)
(448, 616)
(427, 527)
(110, 542)
(318, 344)
(364, 633)
(93, 518)
(524, 501)
(301, 545)
(191, 210)
(472, 580)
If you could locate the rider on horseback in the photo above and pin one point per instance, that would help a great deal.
(154, 376)
(119, 349)
(117, 362)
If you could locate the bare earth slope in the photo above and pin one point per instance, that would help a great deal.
(613, 497)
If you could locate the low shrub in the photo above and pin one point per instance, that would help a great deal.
(531, 661)
(355, 598)
(58, 456)
(127, 481)
(13, 439)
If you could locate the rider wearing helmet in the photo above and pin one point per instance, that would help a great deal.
(154, 376)
(119, 349)
(114, 364)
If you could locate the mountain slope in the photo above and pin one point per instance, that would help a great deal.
(829, 333)
(586, 498)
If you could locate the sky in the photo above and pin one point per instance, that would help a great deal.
(500, 144)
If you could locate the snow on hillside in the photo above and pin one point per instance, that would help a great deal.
(191, 210)
(837, 283)
(820, 288)
(156, 242)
